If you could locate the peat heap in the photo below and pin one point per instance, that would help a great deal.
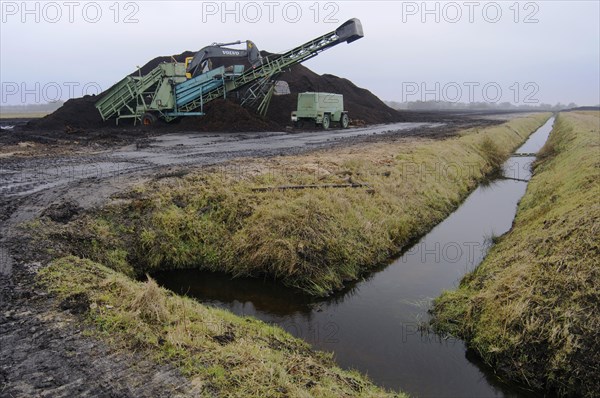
(360, 103)
(363, 106)
(226, 115)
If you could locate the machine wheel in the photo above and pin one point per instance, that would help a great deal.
(326, 122)
(344, 121)
(149, 119)
(299, 124)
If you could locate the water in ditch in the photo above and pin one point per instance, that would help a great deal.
(373, 325)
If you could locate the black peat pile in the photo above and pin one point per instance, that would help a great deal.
(75, 114)
(225, 115)
(360, 103)
(80, 114)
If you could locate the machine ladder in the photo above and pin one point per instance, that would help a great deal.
(122, 96)
(273, 65)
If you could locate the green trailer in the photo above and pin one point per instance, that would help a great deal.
(321, 109)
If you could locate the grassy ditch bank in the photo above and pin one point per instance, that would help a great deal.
(222, 354)
(531, 308)
(231, 219)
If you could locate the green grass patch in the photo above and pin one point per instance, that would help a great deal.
(531, 308)
(312, 239)
(224, 355)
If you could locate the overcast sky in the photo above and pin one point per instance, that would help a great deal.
(521, 52)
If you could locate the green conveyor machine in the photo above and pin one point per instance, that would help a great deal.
(177, 89)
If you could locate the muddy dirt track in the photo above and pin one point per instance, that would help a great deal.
(44, 351)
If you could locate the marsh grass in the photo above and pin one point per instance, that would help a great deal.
(531, 308)
(492, 152)
(222, 354)
(311, 239)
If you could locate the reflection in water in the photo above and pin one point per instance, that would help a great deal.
(374, 324)
(250, 295)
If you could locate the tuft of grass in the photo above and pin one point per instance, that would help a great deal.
(150, 304)
(492, 152)
(311, 239)
(530, 308)
(223, 354)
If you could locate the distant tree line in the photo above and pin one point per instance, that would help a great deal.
(443, 105)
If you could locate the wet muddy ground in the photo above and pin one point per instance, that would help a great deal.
(45, 352)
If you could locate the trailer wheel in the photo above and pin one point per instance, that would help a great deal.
(326, 122)
(148, 119)
(344, 121)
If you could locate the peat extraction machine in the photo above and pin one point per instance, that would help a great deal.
(175, 89)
